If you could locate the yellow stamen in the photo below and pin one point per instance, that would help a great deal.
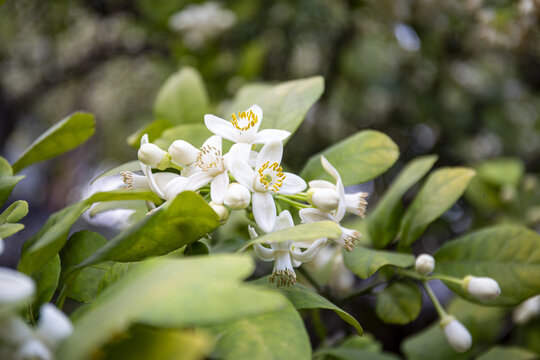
(250, 118)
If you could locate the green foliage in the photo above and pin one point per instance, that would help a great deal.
(353, 348)
(384, 221)
(510, 254)
(10, 216)
(365, 262)
(195, 134)
(7, 180)
(504, 353)
(154, 130)
(177, 293)
(47, 281)
(440, 191)
(359, 158)
(399, 302)
(60, 138)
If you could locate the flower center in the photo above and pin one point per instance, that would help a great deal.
(271, 176)
(209, 159)
(245, 120)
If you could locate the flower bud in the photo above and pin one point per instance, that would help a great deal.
(151, 155)
(483, 288)
(183, 153)
(424, 264)
(457, 335)
(220, 210)
(53, 325)
(237, 196)
(527, 310)
(326, 199)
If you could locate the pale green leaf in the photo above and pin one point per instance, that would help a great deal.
(399, 303)
(507, 353)
(153, 130)
(194, 134)
(359, 158)
(7, 183)
(440, 191)
(58, 139)
(9, 229)
(14, 212)
(384, 221)
(501, 171)
(365, 262)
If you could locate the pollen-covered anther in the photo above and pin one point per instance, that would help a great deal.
(271, 176)
(245, 120)
(350, 239)
(127, 179)
(208, 158)
(283, 278)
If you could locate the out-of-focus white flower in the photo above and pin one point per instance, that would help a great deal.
(201, 23)
(237, 196)
(221, 210)
(53, 325)
(33, 349)
(348, 237)
(457, 335)
(527, 310)
(267, 178)
(341, 279)
(16, 289)
(244, 128)
(424, 264)
(483, 288)
(283, 253)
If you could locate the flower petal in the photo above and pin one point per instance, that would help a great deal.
(198, 180)
(218, 187)
(190, 170)
(321, 184)
(263, 253)
(266, 135)
(147, 171)
(311, 215)
(175, 187)
(239, 151)
(258, 113)
(213, 141)
(310, 252)
(329, 168)
(293, 184)
(264, 210)
(53, 325)
(221, 127)
(284, 221)
(242, 173)
(271, 152)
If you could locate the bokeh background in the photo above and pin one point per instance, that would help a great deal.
(460, 79)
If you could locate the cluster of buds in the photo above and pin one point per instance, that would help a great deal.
(244, 179)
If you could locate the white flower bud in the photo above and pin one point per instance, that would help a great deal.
(151, 155)
(457, 335)
(53, 325)
(221, 210)
(424, 264)
(527, 310)
(15, 289)
(34, 350)
(483, 288)
(237, 196)
(183, 153)
(326, 199)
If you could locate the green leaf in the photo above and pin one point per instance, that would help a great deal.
(510, 254)
(46, 280)
(273, 336)
(58, 139)
(83, 286)
(182, 221)
(9, 229)
(154, 130)
(48, 241)
(399, 303)
(440, 191)
(383, 223)
(430, 344)
(113, 274)
(303, 298)
(501, 171)
(365, 262)
(284, 105)
(5, 167)
(359, 158)
(14, 212)
(196, 291)
(146, 343)
(7, 183)
(302, 232)
(195, 134)
(509, 352)
(356, 347)
(183, 98)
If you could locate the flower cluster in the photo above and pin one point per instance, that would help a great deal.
(244, 179)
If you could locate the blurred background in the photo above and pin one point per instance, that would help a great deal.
(460, 79)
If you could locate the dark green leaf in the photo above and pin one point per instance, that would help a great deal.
(365, 262)
(399, 303)
(47, 281)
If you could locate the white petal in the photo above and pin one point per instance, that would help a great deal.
(293, 184)
(264, 136)
(213, 141)
(218, 187)
(264, 210)
(144, 139)
(147, 171)
(190, 170)
(311, 215)
(240, 152)
(34, 349)
(271, 152)
(53, 325)
(13, 329)
(323, 184)
(263, 253)
(221, 127)
(252, 158)
(252, 233)
(198, 180)
(242, 173)
(259, 114)
(175, 187)
(284, 221)
(329, 168)
(310, 253)
(15, 288)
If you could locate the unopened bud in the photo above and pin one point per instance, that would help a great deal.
(424, 264)
(457, 335)
(183, 153)
(527, 310)
(483, 288)
(152, 155)
(221, 210)
(326, 199)
(237, 196)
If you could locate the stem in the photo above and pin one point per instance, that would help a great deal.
(411, 274)
(292, 202)
(296, 197)
(436, 303)
(318, 324)
(447, 278)
(61, 297)
(309, 278)
(31, 314)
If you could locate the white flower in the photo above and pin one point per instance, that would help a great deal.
(237, 196)
(221, 210)
(152, 155)
(267, 178)
(183, 153)
(133, 181)
(283, 253)
(424, 264)
(326, 199)
(53, 325)
(483, 288)
(147, 171)
(244, 127)
(457, 335)
(33, 349)
(16, 289)
(348, 237)
(527, 310)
